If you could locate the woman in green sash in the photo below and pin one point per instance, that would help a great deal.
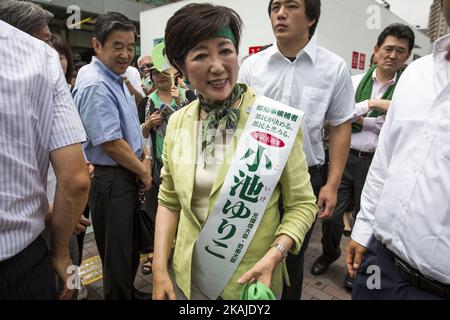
(202, 42)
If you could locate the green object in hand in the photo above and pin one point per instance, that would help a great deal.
(257, 291)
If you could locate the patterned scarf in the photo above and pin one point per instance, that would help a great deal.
(364, 92)
(220, 117)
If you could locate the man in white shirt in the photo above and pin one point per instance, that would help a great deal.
(374, 91)
(403, 228)
(133, 82)
(297, 72)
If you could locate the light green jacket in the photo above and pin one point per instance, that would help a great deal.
(178, 183)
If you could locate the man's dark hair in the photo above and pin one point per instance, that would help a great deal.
(24, 15)
(400, 31)
(195, 23)
(312, 10)
(109, 22)
(63, 48)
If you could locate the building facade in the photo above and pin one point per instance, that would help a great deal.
(437, 26)
(75, 19)
(349, 28)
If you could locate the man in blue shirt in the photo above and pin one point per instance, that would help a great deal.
(115, 148)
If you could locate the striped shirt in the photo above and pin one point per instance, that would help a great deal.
(37, 116)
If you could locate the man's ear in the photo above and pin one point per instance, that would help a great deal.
(311, 23)
(96, 45)
(376, 49)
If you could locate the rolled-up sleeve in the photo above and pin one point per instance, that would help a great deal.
(167, 196)
(99, 113)
(298, 196)
(342, 103)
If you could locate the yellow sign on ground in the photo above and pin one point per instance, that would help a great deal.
(91, 269)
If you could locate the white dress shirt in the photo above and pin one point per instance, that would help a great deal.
(37, 116)
(367, 139)
(318, 82)
(406, 199)
(134, 77)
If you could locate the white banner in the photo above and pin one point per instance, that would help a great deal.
(254, 172)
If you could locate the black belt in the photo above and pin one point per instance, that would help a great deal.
(421, 281)
(362, 154)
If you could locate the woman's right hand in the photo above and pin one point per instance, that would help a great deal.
(162, 286)
(154, 120)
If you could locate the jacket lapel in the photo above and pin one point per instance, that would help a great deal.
(189, 151)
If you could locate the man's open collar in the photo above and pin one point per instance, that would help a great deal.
(310, 50)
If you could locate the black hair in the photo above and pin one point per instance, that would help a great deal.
(109, 22)
(24, 15)
(195, 23)
(400, 31)
(63, 48)
(312, 10)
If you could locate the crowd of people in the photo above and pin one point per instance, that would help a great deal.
(106, 143)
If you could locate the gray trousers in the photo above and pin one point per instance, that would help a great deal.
(113, 202)
(349, 192)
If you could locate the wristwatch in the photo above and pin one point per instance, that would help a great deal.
(280, 248)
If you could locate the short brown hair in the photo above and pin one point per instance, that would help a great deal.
(195, 23)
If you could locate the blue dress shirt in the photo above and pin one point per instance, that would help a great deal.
(108, 112)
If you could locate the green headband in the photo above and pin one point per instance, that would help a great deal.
(226, 32)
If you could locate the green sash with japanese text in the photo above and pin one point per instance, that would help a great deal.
(254, 172)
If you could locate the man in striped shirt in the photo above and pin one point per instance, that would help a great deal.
(38, 123)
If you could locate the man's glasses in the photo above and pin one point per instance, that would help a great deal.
(146, 66)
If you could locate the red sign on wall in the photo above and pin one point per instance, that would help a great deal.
(253, 50)
(355, 60)
(362, 61)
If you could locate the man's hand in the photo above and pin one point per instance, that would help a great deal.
(359, 120)
(81, 225)
(91, 169)
(60, 265)
(146, 178)
(327, 201)
(353, 257)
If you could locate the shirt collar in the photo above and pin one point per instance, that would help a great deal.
(390, 82)
(106, 70)
(441, 48)
(310, 50)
